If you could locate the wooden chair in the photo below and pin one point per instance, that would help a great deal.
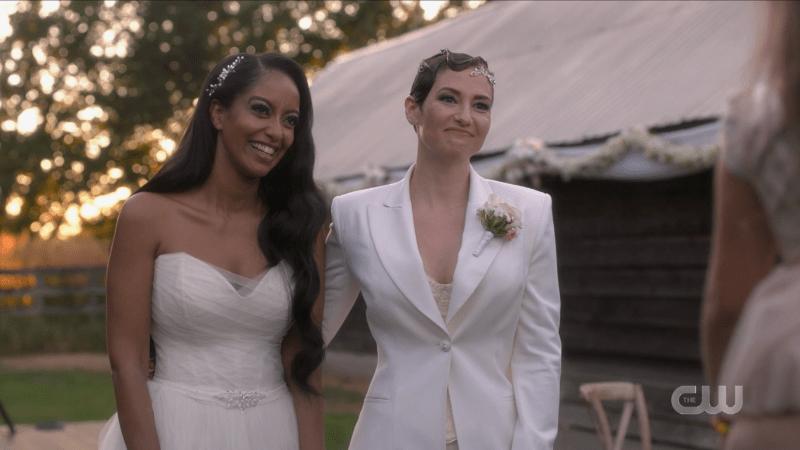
(632, 397)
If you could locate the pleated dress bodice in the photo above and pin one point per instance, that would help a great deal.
(209, 334)
(219, 378)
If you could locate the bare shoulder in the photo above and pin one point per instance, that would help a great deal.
(140, 207)
(142, 218)
(147, 207)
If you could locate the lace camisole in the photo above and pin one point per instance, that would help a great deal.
(441, 293)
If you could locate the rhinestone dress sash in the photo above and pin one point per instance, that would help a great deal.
(230, 399)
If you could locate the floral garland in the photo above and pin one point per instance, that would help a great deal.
(531, 157)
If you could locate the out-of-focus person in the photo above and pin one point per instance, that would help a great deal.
(751, 308)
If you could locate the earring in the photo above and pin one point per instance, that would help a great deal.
(410, 120)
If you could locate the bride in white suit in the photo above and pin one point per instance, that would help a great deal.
(466, 324)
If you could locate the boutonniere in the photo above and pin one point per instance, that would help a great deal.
(499, 218)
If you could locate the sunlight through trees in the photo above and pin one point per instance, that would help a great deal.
(94, 95)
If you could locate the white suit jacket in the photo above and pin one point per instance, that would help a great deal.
(498, 350)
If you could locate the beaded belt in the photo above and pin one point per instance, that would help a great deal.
(230, 399)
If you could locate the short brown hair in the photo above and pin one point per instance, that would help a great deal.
(429, 69)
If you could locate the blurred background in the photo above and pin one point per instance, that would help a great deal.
(611, 107)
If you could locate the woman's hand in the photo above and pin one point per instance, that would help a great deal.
(308, 406)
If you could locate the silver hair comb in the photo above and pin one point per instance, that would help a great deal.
(224, 74)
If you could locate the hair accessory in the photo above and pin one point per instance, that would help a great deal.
(423, 65)
(480, 70)
(224, 74)
(446, 53)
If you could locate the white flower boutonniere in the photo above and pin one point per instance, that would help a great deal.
(499, 218)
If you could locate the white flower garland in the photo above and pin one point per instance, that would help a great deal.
(531, 157)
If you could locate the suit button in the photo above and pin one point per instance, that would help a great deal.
(445, 345)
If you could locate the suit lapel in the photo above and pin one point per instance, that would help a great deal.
(470, 269)
(391, 226)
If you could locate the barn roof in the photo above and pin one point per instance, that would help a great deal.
(567, 72)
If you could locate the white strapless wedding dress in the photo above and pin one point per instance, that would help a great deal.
(219, 380)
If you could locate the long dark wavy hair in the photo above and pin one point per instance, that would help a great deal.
(429, 69)
(295, 207)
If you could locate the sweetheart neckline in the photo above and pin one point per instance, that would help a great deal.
(215, 269)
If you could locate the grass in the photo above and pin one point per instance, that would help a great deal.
(59, 395)
(52, 333)
(37, 396)
(338, 429)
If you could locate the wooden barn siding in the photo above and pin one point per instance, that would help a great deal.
(632, 264)
(632, 259)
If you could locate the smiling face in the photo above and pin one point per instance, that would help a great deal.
(258, 128)
(455, 117)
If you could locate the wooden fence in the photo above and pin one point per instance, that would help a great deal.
(53, 290)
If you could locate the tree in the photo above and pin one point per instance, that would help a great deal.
(95, 94)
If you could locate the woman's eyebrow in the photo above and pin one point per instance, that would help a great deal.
(456, 91)
(257, 97)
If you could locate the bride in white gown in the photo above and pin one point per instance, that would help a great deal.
(217, 259)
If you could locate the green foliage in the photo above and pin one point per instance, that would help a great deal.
(25, 334)
(111, 82)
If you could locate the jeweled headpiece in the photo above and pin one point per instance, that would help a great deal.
(480, 70)
(224, 74)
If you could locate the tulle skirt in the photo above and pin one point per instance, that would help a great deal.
(764, 352)
(196, 419)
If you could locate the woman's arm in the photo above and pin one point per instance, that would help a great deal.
(536, 357)
(308, 407)
(341, 289)
(742, 253)
(128, 286)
